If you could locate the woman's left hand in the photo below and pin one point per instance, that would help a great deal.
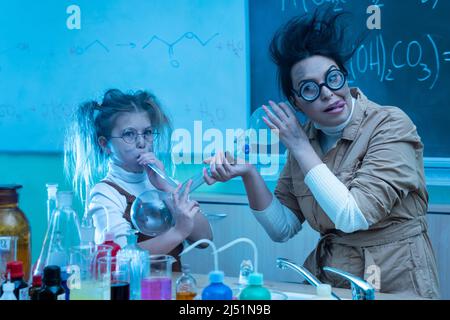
(149, 158)
(285, 121)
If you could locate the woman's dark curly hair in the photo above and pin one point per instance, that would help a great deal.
(321, 33)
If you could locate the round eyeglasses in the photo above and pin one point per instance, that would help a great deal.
(131, 135)
(310, 90)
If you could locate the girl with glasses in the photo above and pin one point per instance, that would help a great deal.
(116, 140)
(354, 172)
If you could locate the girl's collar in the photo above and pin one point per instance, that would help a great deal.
(131, 177)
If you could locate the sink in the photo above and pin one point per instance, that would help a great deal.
(299, 296)
(280, 295)
(304, 296)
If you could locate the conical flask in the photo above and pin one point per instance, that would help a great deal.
(63, 233)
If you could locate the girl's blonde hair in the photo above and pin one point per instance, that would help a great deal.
(84, 159)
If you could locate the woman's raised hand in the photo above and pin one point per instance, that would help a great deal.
(284, 120)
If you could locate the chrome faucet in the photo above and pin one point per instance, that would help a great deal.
(361, 290)
(284, 263)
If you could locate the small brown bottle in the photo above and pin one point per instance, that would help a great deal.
(186, 285)
(14, 223)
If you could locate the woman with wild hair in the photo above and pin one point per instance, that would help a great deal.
(354, 172)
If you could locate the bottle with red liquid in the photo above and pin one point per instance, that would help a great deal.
(109, 244)
(109, 241)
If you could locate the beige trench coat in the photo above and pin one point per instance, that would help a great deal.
(380, 160)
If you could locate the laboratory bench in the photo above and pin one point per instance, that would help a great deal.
(293, 291)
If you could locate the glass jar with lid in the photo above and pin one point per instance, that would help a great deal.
(15, 232)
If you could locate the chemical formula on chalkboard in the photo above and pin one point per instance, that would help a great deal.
(80, 50)
(402, 55)
(338, 5)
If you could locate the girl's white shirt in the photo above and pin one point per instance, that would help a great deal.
(107, 206)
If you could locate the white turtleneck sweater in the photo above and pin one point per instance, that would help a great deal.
(107, 205)
(332, 195)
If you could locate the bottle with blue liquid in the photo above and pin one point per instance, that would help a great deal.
(217, 290)
(251, 279)
(255, 289)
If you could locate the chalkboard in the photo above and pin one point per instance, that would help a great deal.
(406, 63)
(190, 53)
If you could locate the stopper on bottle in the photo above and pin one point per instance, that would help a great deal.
(255, 279)
(64, 198)
(216, 276)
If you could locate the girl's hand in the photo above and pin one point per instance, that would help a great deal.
(285, 121)
(223, 168)
(184, 210)
(149, 158)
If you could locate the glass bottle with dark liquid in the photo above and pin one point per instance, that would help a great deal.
(14, 223)
(51, 288)
(120, 277)
(120, 290)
